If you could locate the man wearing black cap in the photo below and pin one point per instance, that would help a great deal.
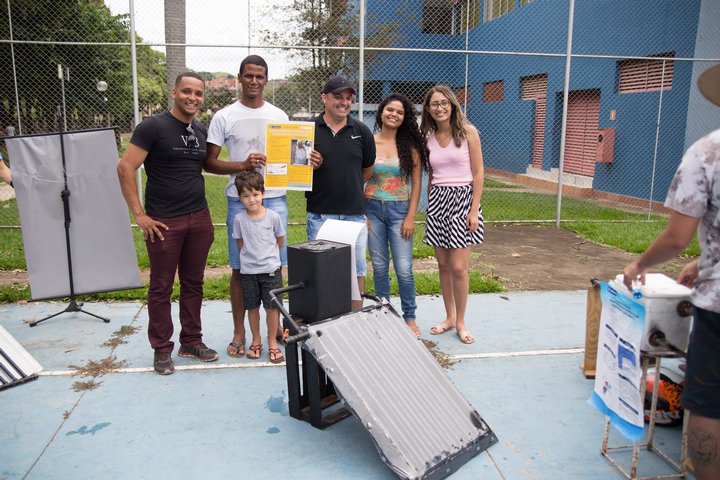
(345, 162)
(694, 201)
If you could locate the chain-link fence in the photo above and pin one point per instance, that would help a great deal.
(580, 105)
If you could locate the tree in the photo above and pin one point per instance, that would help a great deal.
(83, 21)
(174, 33)
(322, 24)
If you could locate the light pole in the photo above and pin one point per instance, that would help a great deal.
(102, 86)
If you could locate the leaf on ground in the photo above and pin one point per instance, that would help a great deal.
(442, 358)
(85, 386)
(99, 368)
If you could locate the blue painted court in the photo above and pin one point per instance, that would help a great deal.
(229, 419)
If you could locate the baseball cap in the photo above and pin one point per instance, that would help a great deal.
(338, 84)
(709, 84)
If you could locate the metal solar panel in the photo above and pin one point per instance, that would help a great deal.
(16, 364)
(422, 426)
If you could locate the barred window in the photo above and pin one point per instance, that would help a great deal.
(533, 87)
(645, 75)
(494, 91)
(497, 8)
(437, 16)
(450, 17)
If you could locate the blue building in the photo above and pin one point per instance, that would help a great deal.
(633, 107)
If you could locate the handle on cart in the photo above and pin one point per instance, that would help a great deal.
(372, 297)
(302, 335)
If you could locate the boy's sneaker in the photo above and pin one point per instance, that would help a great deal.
(163, 363)
(200, 352)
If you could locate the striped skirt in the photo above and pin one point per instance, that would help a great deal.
(446, 223)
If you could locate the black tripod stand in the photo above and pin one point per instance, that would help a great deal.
(74, 306)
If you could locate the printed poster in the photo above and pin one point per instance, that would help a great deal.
(288, 146)
(619, 369)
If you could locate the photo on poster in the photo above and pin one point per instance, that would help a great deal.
(288, 148)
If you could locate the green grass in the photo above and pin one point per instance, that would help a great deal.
(500, 206)
(634, 238)
(426, 283)
(495, 184)
(12, 255)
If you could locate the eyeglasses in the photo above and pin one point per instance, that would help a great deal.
(442, 103)
(191, 137)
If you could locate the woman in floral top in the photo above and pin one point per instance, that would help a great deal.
(391, 199)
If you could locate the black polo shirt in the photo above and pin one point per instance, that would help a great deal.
(175, 185)
(338, 183)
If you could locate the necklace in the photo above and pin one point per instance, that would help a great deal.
(443, 138)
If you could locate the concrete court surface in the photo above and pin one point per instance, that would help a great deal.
(229, 419)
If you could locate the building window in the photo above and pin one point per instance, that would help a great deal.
(414, 91)
(373, 91)
(450, 17)
(462, 94)
(533, 87)
(437, 16)
(645, 75)
(493, 92)
(497, 8)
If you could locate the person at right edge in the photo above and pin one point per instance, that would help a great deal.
(454, 219)
(694, 201)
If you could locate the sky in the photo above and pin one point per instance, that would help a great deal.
(212, 22)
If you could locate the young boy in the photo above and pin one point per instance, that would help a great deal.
(260, 234)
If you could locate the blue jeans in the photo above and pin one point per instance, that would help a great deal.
(234, 206)
(315, 220)
(386, 218)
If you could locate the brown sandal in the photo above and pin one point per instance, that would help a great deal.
(276, 355)
(239, 349)
(254, 351)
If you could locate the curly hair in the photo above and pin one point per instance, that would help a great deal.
(458, 120)
(408, 137)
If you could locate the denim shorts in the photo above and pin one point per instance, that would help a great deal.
(701, 394)
(316, 220)
(257, 286)
(234, 206)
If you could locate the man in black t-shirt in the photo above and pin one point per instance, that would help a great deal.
(176, 221)
(343, 160)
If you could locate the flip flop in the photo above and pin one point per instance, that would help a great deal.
(254, 351)
(441, 328)
(239, 349)
(277, 354)
(466, 337)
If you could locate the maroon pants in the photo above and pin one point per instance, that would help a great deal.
(185, 250)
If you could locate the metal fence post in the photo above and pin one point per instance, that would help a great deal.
(566, 94)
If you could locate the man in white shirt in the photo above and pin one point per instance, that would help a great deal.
(241, 127)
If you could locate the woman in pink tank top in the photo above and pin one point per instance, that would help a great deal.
(454, 215)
